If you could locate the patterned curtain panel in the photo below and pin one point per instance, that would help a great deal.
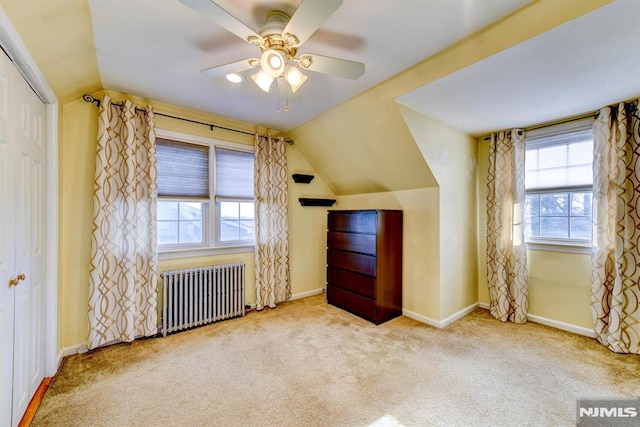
(615, 301)
(124, 265)
(272, 224)
(506, 251)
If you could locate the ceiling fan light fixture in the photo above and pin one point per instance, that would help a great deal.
(273, 62)
(294, 77)
(235, 77)
(263, 80)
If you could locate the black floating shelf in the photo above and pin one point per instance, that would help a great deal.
(316, 202)
(302, 179)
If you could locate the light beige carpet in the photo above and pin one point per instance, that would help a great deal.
(310, 364)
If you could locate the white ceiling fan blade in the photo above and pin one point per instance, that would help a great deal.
(232, 67)
(220, 16)
(309, 16)
(334, 66)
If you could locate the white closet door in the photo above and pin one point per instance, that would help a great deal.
(7, 243)
(28, 360)
(25, 200)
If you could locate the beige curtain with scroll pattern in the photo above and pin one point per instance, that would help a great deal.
(615, 302)
(506, 252)
(124, 266)
(272, 225)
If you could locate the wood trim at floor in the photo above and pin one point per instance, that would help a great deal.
(35, 403)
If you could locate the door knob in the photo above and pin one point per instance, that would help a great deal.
(21, 276)
(13, 282)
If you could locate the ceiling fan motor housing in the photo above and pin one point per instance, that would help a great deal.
(272, 37)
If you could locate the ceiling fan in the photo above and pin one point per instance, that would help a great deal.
(279, 40)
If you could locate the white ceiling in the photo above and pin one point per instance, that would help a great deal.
(156, 49)
(576, 68)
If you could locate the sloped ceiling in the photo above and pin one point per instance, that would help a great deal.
(363, 145)
(59, 36)
(357, 154)
(157, 49)
(573, 69)
(360, 146)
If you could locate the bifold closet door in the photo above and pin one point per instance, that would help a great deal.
(7, 244)
(22, 227)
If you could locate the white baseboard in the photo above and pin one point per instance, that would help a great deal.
(306, 294)
(458, 315)
(580, 330)
(420, 318)
(440, 323)
(70, 351)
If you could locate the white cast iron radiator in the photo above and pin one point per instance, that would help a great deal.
(197, 296)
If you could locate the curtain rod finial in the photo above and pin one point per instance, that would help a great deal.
(90, 99)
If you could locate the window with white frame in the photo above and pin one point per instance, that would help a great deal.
(558, 182)
(205, 194)
(234, 196)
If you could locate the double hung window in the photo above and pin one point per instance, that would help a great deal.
(558, 181)
(205, 194)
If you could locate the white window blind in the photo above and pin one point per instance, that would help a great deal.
(234, 175)
(558, 181)
(183, 169)
(562, 160)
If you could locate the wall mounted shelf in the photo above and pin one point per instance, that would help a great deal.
(301, 178)
(306, 201)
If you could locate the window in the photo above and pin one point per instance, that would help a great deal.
(558, 182)
(234, 196)
(205, 194)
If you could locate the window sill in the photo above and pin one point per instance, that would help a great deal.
(201, 252)
(561, 246)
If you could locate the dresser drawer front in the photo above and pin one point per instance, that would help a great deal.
(354, 303)
(365, 264)
(362, 243)
(358, 283)
(360, 222)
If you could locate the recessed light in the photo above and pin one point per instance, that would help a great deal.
(234, 78)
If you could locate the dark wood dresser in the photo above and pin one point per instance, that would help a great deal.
(364, 263)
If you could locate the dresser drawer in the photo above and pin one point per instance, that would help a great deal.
(363, 243)
(354, 303)
(365, 264)
(354, 282)
(359, 222)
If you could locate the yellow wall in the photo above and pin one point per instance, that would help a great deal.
(559, 283)
(560, 287)
(307, 227)
(482, 192)
(451, 156)
(421, 235)
(76, 163)
(77, 147)
(59, 36)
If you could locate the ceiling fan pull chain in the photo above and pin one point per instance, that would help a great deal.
(287, 107)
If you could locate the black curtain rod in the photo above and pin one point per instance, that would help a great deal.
(584, 116)
(92, 100)
(631, 107)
